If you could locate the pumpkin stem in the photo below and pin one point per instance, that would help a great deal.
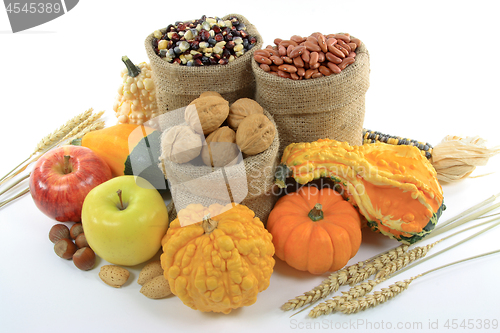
(208, 224)
(67, 167)
(316, 213)
(133, 70)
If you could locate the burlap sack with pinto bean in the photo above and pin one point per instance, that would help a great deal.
(250, 182)
(177, 86)
(327, 107)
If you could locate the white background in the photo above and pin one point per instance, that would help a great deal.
(434, 72)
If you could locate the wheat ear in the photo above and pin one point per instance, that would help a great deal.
(385, 294)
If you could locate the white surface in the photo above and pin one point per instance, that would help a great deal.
(434, 72)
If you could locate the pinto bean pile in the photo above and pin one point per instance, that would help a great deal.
(310, 57)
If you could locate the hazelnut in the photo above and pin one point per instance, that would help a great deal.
(75, 230)
(57, 232)
(65, 248)
(81, 241)
(84, 258)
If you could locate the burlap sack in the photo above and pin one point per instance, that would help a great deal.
(328, 107)
(177, 86)
(195, 182)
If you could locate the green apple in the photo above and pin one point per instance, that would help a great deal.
(124, 220)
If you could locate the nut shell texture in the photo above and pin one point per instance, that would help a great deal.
(220, 149)
(180, 144)
(242, 108)
(255, 134)
(113, 275)
(205, 114)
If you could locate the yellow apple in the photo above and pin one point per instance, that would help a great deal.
(124, 220)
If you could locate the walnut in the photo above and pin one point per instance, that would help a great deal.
(221, 149)
(255, 134)
(206, 114)
(210, 93)
(180, 144)
(242, 108)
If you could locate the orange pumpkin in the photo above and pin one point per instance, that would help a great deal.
(315, 230)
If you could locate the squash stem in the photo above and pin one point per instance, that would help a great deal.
(133, 70)
(316, 213)
(208, 224)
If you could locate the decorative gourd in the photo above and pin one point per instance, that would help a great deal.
(315, 230)
(129, 150)
(218, 264)
(394, 187)
(136, 100)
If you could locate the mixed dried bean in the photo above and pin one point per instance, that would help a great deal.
(203, 42)
(310, 57)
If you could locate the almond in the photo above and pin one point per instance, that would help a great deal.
(113, 275)
(150, 271)
(156, 288)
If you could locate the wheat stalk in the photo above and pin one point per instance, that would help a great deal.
(56, 136)
(385, 294)
(343, 277)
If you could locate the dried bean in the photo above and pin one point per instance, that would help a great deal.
(276, 60)
(335, 51)
(343, 50)
(262, 60)
(297, 51)
(321, 56)
(289, 50)
(288, 60)
(309, 73)
(345, 46)
(311, 46)
(287, 42)
(263, 53)
(287, 68)
(352, 54)
(345, 37)
(277, 41)
(265, 67)
(353, 46)
(356, 41)
(325, 70)
(345, 62)
(314, 59)
(334, 68)
(298, 62)
(282, 50)
(306, 56)
(330, 57)
(294, 76)
(301, 71)
(297, 39)
(284, 74)
(322, 42)
(316, 75)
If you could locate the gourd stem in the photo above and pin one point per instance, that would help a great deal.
(316, 213)
(133, 70)
(208, 224)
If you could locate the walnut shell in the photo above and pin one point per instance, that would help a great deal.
(221, 149)
(255, 134)
(180, 144)
(206, 114)
(210, 93)
(242, 108)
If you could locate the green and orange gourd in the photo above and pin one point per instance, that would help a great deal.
(394, 187)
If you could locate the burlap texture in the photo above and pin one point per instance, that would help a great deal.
(211, 186)
(328, 107)
(177, 86)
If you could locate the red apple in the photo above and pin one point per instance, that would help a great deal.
(61, 179)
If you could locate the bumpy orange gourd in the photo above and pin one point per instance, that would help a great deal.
(394, 187)
(219, 263)
(315, 230)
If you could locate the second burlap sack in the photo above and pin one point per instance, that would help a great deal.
(328, 107)
(177, 86)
